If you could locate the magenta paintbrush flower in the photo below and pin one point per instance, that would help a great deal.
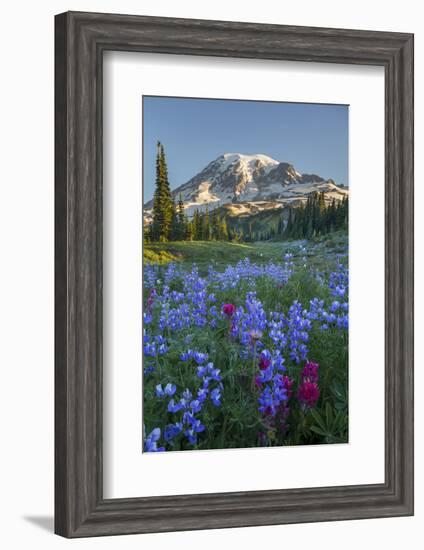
(229, 310)
(264, 363)
(308, 393)
(310, 371)
(288, 385)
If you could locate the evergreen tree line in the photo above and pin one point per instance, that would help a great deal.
(314, 218)
(204, 226)
(209, 227)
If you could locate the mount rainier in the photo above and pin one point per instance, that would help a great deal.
(246, 184)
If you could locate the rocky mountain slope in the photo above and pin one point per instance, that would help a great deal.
(247, 184)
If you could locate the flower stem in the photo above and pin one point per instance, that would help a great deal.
(254, 365)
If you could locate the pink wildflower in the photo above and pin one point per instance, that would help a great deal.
(229, 310)
(264, 363)
(288, 384)
(310, 371)
(308, 393)
(151, 299)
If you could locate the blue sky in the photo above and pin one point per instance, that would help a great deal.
(313, 137)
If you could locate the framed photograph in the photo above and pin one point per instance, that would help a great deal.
(234, 274)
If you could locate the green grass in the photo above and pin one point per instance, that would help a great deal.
(159, 256)
(320, 252)
(203, 253)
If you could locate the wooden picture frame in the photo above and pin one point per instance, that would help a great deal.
(81, 39)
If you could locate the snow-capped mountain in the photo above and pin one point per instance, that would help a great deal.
(248, 184)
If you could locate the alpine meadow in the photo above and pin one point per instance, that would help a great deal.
(245, 274)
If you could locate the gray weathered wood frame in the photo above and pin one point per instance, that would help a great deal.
(80, 40)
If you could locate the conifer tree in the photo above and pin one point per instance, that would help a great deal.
(147, 233)
(162, 201)
(289, 226)
(173, 234)
(215, 226)
(182, 221)
(189, 231)
(223, 230)
(197, 226)
(205, 226)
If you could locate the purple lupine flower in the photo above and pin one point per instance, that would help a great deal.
(169, 390)
(151, 442)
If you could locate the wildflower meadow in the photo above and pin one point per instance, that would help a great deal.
(247, 351)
